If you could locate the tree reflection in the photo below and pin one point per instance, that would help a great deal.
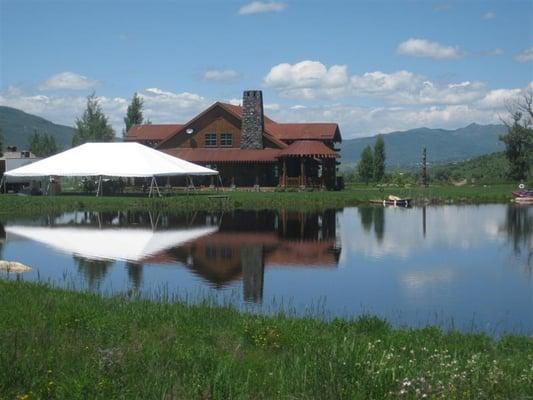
(93, 271)
(135, 274)
(519, 228)
(373, 216)
(2, 240)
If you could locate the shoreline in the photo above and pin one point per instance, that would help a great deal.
(303, 201)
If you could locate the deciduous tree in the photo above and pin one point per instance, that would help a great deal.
(519, 137)
(93, 125)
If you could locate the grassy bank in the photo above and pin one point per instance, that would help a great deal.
(68, 345)
(353, 195)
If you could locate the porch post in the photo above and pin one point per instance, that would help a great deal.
(302, 172)
(284, 176)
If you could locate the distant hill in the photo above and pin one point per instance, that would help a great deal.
(489, 168)
(17, 127)
(404, 149)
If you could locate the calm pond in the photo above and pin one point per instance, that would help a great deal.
(462, 267)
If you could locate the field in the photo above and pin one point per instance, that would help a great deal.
(69, 345)
(353, 195)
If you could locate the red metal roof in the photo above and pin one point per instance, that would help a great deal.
(305, 131)
(234, 154)
(151, 131)
(312, 148)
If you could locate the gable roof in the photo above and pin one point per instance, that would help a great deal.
(274, 132)
(151, 131)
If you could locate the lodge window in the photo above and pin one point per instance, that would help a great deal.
(226, 139)
(210, 139)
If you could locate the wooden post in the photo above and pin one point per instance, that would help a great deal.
(302, 172)
(284, 175)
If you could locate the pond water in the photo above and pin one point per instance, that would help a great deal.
(463, 267)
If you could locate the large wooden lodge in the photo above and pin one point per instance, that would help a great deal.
(248, 148)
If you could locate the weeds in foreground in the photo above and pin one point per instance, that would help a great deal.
(61, 344)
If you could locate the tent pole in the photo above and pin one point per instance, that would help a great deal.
(2, 184)
(220, 180)
(151, 187)
(157, 187)
(48, 186)
(99, 185)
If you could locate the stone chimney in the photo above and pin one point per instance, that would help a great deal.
(252, 120)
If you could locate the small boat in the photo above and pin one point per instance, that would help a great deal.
(523, 195)
(393, 201)
(524, 200)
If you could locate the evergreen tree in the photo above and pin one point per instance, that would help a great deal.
(365, 168)
(93, 125)
(379, 159)
(42, 144)
(134, 115)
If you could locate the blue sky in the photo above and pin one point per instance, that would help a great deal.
(371, 66)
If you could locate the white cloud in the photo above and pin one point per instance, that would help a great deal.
(307, 79)
(257, 7)
(313, 80)
(221, 75)
(525, 56)
(498, 98)
(68, 81)
(489, 15)
(426, 48)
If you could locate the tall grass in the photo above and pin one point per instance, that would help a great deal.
(68, 345)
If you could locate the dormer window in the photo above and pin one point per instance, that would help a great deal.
(210, 140)
(226, 140)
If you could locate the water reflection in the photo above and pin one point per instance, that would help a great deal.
(219, 248)
(458, 262)
(94, 271)
(373, 216)
(519, 229)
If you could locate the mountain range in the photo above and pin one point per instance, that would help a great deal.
(18, 126)
(403, 149)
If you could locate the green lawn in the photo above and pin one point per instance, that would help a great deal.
(353, 195)
(57, 344)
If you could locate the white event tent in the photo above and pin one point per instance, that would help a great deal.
(128, 160)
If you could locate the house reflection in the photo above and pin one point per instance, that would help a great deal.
(247, 242)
